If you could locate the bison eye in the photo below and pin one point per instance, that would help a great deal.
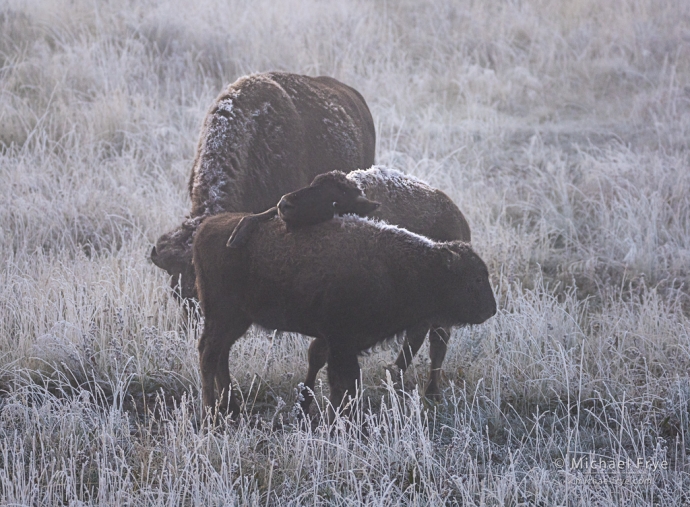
(335, 204)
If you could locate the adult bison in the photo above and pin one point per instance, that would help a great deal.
(266, 135)
(350, 281)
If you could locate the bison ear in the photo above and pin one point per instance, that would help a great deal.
(363, 206)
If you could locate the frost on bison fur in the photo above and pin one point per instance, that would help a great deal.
(351, 282)
(387, 195)
(264, 136)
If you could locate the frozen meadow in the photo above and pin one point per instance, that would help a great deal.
(560, 128)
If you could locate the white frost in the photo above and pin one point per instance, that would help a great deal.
(225, 105)
(225, 135)
(382, 175)
(351, 219)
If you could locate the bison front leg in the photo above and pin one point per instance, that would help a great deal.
(414, 338)
(343, 375)
(318, 356)
(214, 348)
(223, 386)
(438, 345)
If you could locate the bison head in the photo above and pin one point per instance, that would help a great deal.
(173, 253)
(328, 195)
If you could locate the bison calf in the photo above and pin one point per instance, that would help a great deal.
(350, 282)
(399, 199)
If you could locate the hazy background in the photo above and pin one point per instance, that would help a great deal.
(560, 128)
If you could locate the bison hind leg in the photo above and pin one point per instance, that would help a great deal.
(438, 345)
(343, 375)
(318, 356)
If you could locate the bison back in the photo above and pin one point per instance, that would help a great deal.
(269, 134)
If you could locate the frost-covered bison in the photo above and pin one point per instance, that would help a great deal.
(385, 194)
(264, 136)
(350, 282)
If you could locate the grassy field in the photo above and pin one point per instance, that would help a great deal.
(561, 129)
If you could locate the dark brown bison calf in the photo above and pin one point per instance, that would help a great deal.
(266, 135)
(399, 199)
(350, 282)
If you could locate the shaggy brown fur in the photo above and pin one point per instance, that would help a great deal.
(265, 135)
(350, 282)
(401, 200)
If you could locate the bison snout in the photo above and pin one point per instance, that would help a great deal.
(490, 308)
